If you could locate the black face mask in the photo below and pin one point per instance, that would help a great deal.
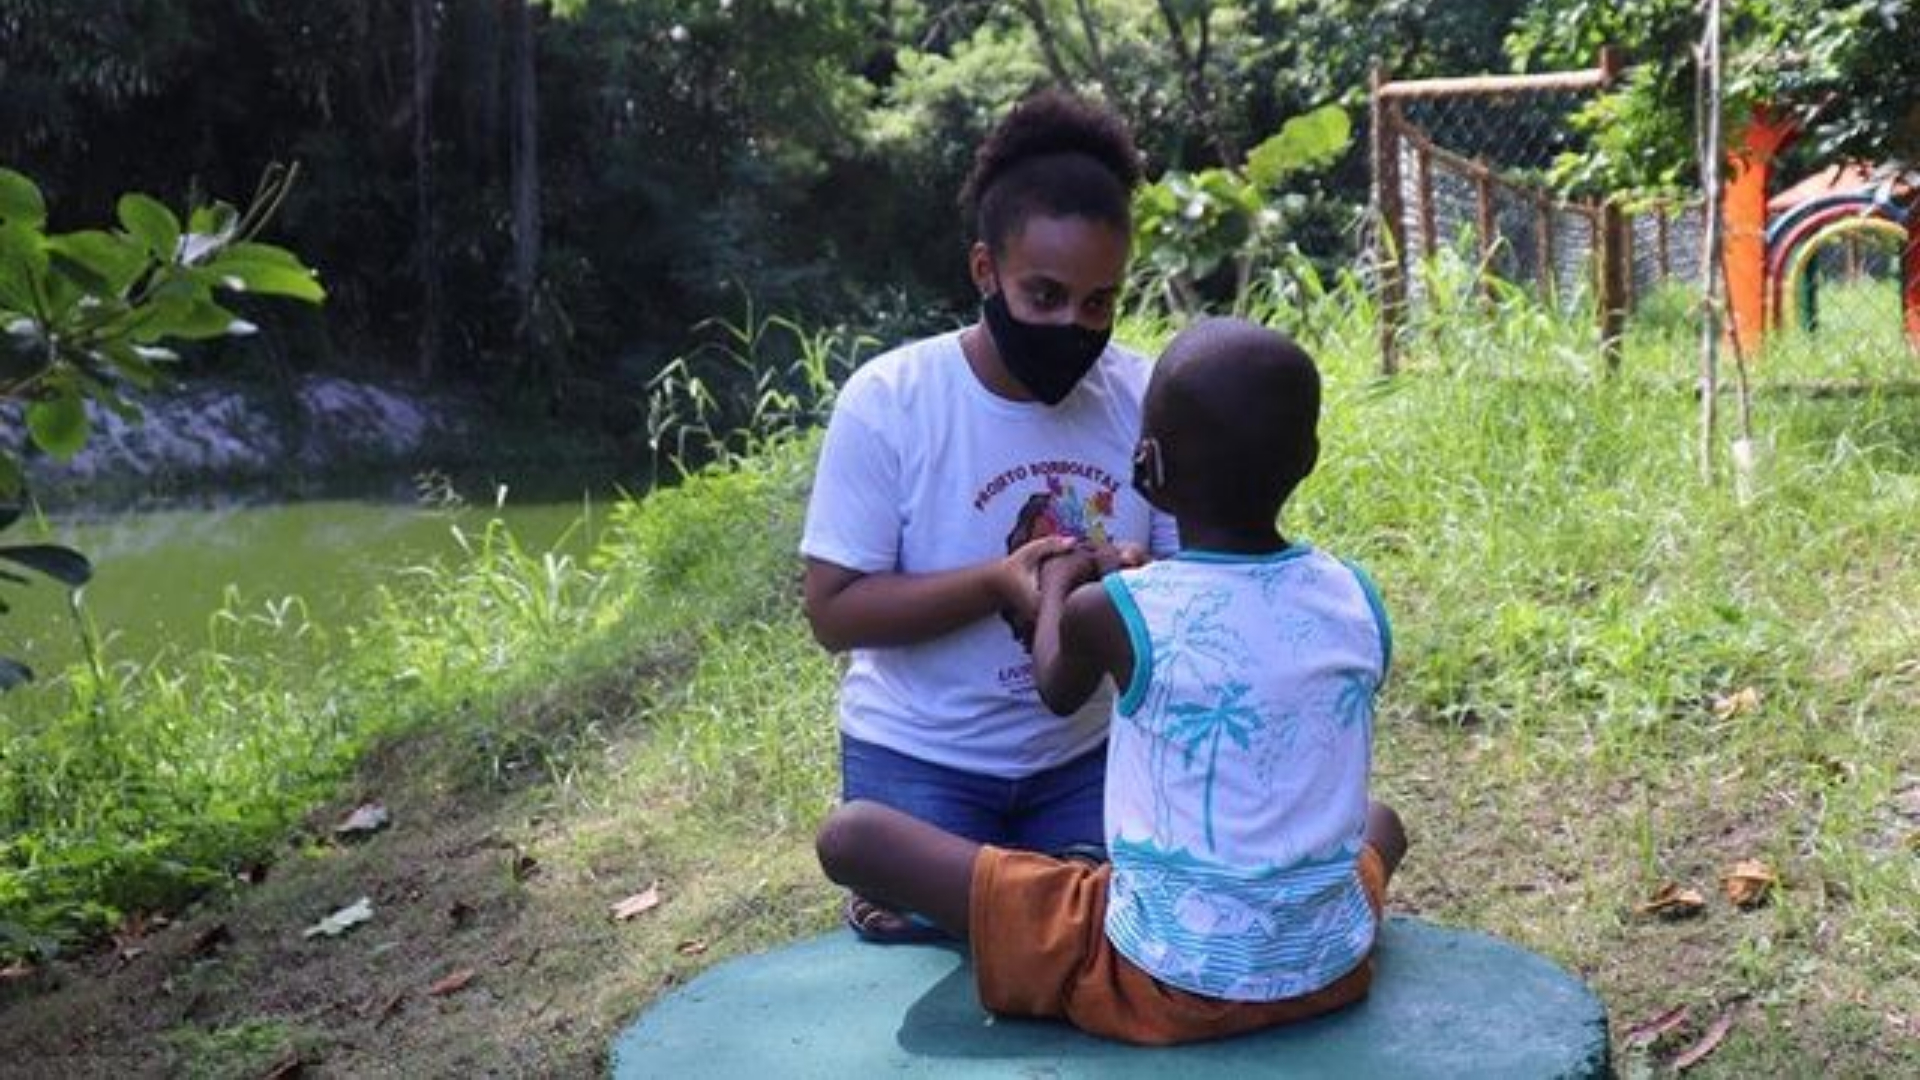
(1048, 360)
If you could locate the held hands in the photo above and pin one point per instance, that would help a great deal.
(1060, 574)
(1055, 566)
(1018, 581)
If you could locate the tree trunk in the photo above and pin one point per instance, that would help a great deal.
(524, 164)
(1193, 63)
(425, 46)
(1036, 14)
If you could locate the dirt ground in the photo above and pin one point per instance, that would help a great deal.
(491, 950)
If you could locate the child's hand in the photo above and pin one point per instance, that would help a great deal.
(1122, 556)
(1060, 574)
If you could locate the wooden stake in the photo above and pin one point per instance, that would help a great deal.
(1707, 105)
(1390, 258)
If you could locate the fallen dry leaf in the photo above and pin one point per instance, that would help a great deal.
(638, 904)
(691, 948)
(1739, 703)
(1709, 1042)
(1648, 1031)
(343, 920)
(16, 971)
(366, 818)
(1747, 882)
(1673, 901)
(452, 984)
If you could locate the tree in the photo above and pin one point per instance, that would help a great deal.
(523, 108)
(425, 47)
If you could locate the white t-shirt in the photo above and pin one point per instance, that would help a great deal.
(925, 469)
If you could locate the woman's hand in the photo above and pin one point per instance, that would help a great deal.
(1018, 581)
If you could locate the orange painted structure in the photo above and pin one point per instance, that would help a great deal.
(1744, 216)
(1768, 242)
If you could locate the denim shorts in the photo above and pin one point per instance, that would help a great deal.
(1056, 811)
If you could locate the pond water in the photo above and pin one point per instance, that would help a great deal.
(161, 571)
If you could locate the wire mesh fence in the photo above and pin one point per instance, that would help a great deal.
(1464, 201)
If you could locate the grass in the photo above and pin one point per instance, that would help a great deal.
(1577, 616)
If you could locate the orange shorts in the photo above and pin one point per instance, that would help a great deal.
(1038, 932)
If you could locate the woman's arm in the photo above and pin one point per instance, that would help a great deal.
(849, 609)
(1079, 636)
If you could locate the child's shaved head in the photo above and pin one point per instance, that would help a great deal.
(1235, 407)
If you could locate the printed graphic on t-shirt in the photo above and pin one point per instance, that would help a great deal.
(1057, 498)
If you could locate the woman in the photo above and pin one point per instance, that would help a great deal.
(951, 468)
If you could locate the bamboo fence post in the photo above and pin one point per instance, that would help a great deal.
(1660, 234)
(1543, 247)
(1708, 108)
(1485, 225)
(1423, 190)
(1390, 263)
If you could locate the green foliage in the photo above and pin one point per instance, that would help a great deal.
(1187, 226)
(1849, 67)
(85, 313)
(811, 151)
(750, 384)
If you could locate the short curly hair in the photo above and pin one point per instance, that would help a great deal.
(1056, 154)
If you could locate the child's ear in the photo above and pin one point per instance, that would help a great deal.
(1311, 458)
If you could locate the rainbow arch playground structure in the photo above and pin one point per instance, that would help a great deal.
(1770, 240)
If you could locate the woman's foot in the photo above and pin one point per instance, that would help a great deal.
(881, 925)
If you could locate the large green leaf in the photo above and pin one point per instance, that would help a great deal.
(195, 320)
(268, 278)
(23, 265)
(20, 200)
(151, 223)
(136, 362)
(265, 253)
(113, 262)
(1304, 142)
(59, 424)
(63, 564)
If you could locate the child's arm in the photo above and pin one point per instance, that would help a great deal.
(1079, 636)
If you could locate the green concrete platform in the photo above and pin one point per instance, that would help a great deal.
(1445, 1003)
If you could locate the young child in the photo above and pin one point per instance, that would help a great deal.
(1248, 867)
